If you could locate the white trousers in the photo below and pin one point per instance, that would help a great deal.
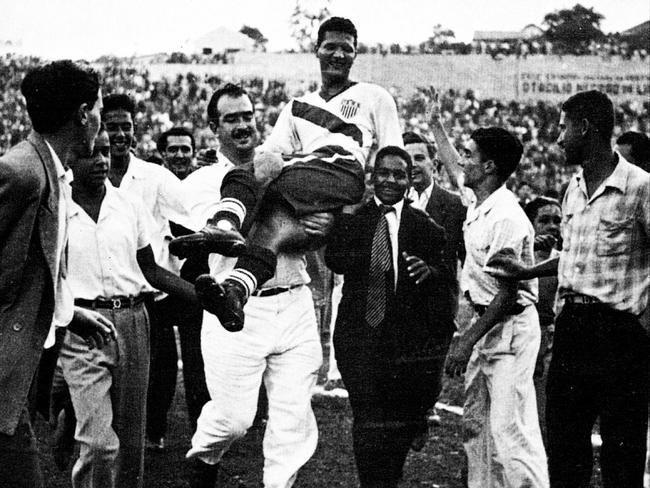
(333, 372)
(501, 434)
(279, 345)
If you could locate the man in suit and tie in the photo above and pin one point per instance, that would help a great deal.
(445, 208)
(64, 104)
(391, 333)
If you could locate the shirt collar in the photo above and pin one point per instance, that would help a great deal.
(61, 172)
(489, 203)
(397, 206)
(135, 169)
(108, 202)
(618, 178)
(427, 192)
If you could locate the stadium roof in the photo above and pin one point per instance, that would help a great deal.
(497, 35)
(222, 39)
(642, 28)
(530, 31)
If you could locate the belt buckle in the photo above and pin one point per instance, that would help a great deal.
(117, 303)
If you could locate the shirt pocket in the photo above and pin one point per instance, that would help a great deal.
(614, 236)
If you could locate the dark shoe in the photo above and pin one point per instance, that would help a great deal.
(225, 300)
(203, 475)
(420, 440)
(208, 240)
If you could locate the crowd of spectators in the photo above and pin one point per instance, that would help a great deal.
(183, 99)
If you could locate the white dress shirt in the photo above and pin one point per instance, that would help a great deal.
(165, 199)
(420, 200)
(63, 299)
(103, 254)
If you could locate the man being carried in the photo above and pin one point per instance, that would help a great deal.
(334, 129)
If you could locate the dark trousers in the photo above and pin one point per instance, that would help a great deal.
(164, 314)
(19, 463)
(389, 403)
(599, 369)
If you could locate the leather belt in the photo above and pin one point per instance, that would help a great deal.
(580, 299)
(516, 309)
(112, 303)
(269, 292)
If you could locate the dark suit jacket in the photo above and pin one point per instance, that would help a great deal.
(29, 200)
(415, 324)
(447, 210)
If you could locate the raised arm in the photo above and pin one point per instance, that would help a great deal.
(448, 154)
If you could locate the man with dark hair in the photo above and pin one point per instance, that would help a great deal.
(279, 345)
(599, 367)
(328, 136)
(111, 267)
(546, 216)
(392, 328)
(498, 349)
(445, 208)
(164, 201)
(635, 148)
(64, 103)
(177, 148)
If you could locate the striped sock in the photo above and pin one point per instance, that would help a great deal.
(254, 268)
(245, 278)
(231, 210)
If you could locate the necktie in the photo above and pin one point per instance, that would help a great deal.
(381, 261)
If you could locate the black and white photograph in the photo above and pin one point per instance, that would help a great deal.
(325, 244)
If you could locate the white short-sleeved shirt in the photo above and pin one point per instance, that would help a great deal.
(498, 223)
(164, 199)
(360, 118)
(103, 254)
(203, 190)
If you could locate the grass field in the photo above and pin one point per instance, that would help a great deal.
(439, 464)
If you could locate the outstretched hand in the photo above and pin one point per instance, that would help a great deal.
(433, 110)
(93, 327)
(505, 265)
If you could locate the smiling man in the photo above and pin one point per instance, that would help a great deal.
(392, 329)
(328, 136)
(176, 146)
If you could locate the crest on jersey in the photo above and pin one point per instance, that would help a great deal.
(349, 108)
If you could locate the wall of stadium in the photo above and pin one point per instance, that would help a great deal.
(549, 78)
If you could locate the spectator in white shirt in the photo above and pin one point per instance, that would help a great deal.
(111, 263)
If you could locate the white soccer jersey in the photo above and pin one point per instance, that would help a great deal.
(360, 118)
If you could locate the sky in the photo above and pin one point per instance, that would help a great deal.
(90, 28)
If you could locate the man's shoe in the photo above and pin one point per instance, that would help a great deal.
(203, 475)
(208, 240)
(225, 300)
